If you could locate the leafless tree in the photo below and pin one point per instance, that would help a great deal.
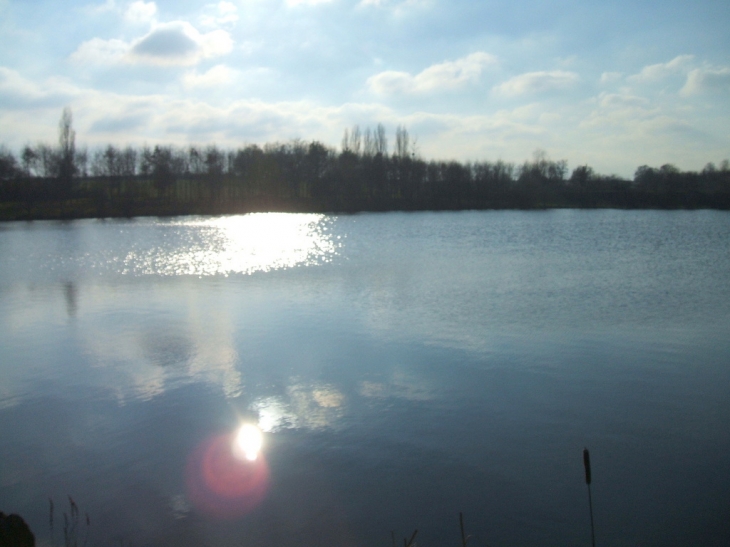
(67, 149)
(381, 141)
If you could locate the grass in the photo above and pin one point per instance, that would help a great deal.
(73, 526)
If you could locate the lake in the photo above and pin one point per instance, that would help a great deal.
(403, 367)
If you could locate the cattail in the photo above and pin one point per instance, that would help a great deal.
(587, 466)
(464, 539)
(74, 507)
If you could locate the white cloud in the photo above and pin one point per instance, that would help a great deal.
(610, 77)
(13, 84)
(100, 52)
(176, 43)
(448, 75)
(399, 7)
(293, 3)
(179, 43)
(17, 91)
(141, 12)
(614, 100)
(220, 14)
(537, 82)
(109, 5)
(218, 75)
(707, 79)
(653, 73)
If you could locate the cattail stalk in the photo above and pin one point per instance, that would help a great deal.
(50, 519)
(463, 534)
(587, 466)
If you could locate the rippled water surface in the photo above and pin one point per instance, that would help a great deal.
(402, 367)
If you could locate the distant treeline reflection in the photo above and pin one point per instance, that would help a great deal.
(63, 182)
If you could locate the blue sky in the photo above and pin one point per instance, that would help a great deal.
(611, 84)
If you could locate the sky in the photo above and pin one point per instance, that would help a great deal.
(613, 85)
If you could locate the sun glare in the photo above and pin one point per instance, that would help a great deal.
(248, 442)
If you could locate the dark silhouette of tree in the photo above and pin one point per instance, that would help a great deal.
(301, 176)
(66, 153)
(30, 160)
(402, 142)
(582, 176)
(9, 168)
(162, 170)
(381, 141)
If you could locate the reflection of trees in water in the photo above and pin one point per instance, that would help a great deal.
(70, 293)
(164, 348)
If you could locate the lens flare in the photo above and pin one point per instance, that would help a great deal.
(249, 440)
(227, 475)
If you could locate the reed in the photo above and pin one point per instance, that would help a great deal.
(406, 542)
(464, 537)
(71, 524)
(587, 467)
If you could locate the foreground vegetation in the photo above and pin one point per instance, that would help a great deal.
(63, 182)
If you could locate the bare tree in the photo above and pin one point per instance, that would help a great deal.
(381, 141)
(67, 150)
(402, 142)
(215, 160)
(195, 161)
(48, 160)
(82, 161)
(368, 142)
(356, 140)
(30, 160)
(128, 162)
(346, 141)
(8, 164)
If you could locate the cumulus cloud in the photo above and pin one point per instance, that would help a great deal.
(220, 14)
(448, 75)
(167, 42)
(14, 87)
(707, 79)
(141, 12)
(610, 77)
(179, 43)
(537, 82)
(99, 52)
(17, 91)
(109, 5)
(398, 6)
(218, 75)
(620, 100)
(653, 73)
(306, 2)
(175, 43)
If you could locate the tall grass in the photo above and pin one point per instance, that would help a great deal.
(587, 466)
(73, 526)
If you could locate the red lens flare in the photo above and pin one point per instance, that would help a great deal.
(222, 484)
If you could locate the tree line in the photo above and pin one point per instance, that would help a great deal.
(64, 181)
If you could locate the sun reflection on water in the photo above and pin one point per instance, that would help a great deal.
(249, 440)
(256, 242)
(227, 475)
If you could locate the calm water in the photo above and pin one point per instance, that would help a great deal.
(404, 367)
